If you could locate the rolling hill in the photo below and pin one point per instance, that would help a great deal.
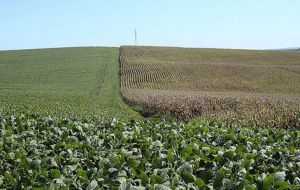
(222, 83)
(67, 82)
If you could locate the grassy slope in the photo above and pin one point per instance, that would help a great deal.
(80, 82)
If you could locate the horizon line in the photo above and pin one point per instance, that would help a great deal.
(170, 46)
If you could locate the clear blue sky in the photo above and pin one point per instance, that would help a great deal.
(253, 24)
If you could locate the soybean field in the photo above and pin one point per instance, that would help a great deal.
(67, 82)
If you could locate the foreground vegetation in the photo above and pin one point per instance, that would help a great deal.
(45, 152)
(67, 82)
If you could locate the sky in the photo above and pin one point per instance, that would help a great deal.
(246, 24)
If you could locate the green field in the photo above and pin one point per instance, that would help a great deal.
(73, 142)
(68, 82)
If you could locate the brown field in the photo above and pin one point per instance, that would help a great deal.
(222, 83)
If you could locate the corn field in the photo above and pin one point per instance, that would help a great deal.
(231, 84)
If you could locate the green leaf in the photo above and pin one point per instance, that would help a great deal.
(218, 181)
(229, 154)
(24, 163)
(270, 139)
(250, 187)
(200, 184)
(281, 185)
(81, 173)
(10, 178)
(133, 163)
(247, 164)
(55, 174)
(268, 182)
(59, 145)
(155, 179)
(144, 178)
(250, 156)
(170, 156)
(186, 151)
(187, 176)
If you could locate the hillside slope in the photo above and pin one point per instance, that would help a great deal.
(222, 83)
(211, 69)
(79, 82)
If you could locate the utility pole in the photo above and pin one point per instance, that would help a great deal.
(135, 37)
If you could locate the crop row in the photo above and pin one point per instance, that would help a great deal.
(232, 85)
(243, 108)
(167, 71)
